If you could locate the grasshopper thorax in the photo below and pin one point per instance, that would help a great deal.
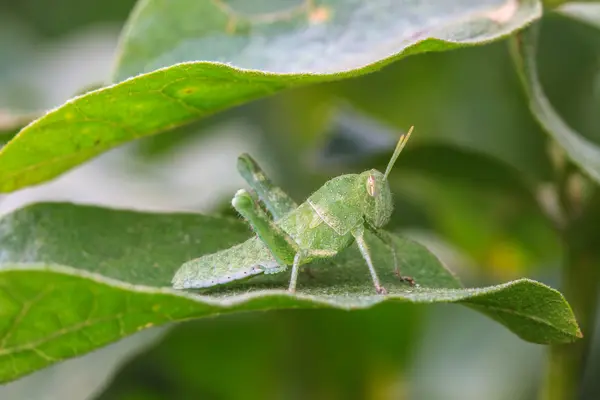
(377, 198)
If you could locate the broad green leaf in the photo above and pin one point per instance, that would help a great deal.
(314, 37)
(580, 150)
(333, 41)
(66, 289)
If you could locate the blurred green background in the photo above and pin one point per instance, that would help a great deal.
(469, 186)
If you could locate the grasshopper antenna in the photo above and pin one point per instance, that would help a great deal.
(401, 143)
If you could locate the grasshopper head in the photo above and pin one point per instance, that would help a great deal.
(378, 204)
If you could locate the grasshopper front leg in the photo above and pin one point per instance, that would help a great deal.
(295, 269)
(279, 243)
(275, 199)
(358, 234)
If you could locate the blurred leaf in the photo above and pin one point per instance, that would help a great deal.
(503, 232)
(67, 289)
(60, 17)
(147, 104)
(568, 62)
(453, 101)
(494, 365)
(581, 151)
(11, 123)
(17, 46)
(459, 164)
(557, 4)
(588, 13)
(284, 354)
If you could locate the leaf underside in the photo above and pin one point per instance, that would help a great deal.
(208, 67)
(66, 290)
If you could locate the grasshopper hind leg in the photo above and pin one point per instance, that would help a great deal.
(274, 198)
(385, 238)
(281, 245)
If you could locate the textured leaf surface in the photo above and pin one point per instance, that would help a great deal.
(275, 50)
(66, 289)
(583, 152)
(317, 37)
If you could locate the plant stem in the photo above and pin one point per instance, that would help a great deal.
(581, 276)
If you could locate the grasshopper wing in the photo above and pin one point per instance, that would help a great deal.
(242, 261)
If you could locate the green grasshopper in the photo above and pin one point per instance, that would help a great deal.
(326, 223)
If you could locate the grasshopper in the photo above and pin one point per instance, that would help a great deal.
(329, 221)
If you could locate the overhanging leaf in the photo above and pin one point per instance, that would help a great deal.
(66, 289)
(325, 41)
(580, 150)
(314, 37)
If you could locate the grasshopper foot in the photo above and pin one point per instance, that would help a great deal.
(406, 279)
(380, 290)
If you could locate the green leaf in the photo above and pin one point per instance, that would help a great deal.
(580, 150)
(588, 13)
(66, 289)
(316, 37)
(316, 45)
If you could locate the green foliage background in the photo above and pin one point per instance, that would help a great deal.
(499, 182)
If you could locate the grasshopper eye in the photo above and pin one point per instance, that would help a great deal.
(371, 186)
